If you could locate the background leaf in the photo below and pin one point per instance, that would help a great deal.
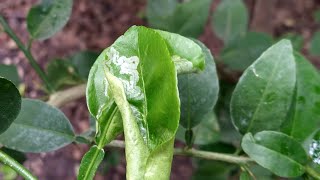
(10, 72)
(10, 103)
(47, 18)
(315, 44)
(241, 53)
(304, 117)
(38, 128)
(83, 62)
(230, 20)
(296, 40)
(187, 19)
(62, 73)
(198, 92)
(265, 90)
(277, 152)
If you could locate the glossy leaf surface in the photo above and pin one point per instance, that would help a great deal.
(89, 167)
(47, 18)
(241, 53)
(263, 94)
(277, 152)
(10, 72)
(198, 92)
(38, 128)
(230, 20)
(304, 117)
(10, 103)
(186, 18)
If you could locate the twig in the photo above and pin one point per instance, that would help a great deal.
(26, 52)
(63, 97)
(213, 156)
(7, 160)
(198, 154)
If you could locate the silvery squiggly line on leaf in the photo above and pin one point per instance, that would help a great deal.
(128, 66)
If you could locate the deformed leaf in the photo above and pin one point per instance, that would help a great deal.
(198, 92)
(38, 128)
(263, 95)
(304, 117)
(90, 163)
(62, 73)
(10, 72)
(10, 103)
(230, 20)
(276, 152)
(47, 18)
(191, 52)
(241, 53)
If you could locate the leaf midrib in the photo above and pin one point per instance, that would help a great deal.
(276, 152)
(263, 95)
(44, 129)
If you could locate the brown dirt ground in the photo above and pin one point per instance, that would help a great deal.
(94, 25)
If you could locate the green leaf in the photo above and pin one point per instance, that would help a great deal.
(315, 44)
(230, 20)
(38, 128)
(149, 78)
(158, 12)
(47, 18)
(316, 16)
(187, 19)
(264, 92)
(207, 132)
(148, 161)
(10, 103)
(296, 40)
(83, 62)
(185, 51)
(198, 92)
(62, 73)
(109, 123)
(241, 53)
(10, 72)
(306, 101)
(276, 152)
(90, 163)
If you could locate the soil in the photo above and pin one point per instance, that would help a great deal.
(94, 25)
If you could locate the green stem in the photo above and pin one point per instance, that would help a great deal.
(213, 156)
(7, 160)
(312, 172)
(26, 52)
